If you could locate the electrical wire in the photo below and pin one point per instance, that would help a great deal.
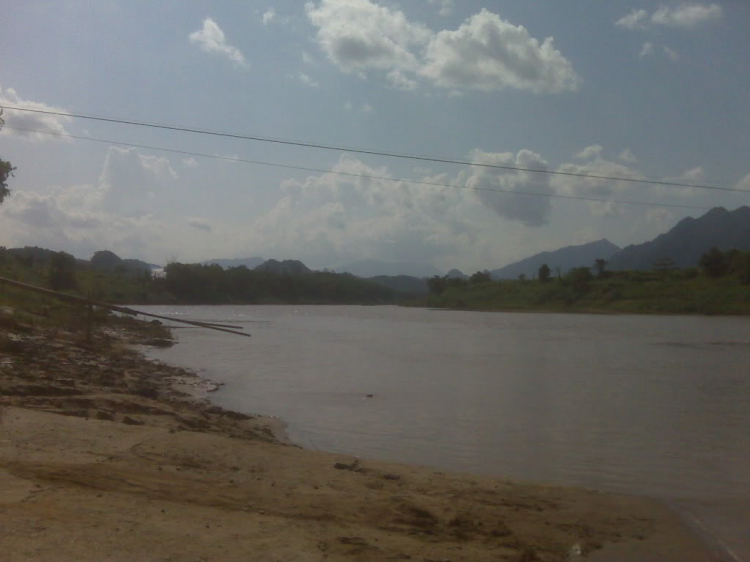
(363, 151)
(361, 176)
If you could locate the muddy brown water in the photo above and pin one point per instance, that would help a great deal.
(648, 405)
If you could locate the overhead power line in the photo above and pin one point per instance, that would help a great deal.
(363, 151)
(360, 176)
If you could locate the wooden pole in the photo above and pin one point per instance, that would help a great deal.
(89, 318)
(122, 309)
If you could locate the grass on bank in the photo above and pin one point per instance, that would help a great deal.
(674, 292)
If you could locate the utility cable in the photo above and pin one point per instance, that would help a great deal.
(361, 176)
(362, 151)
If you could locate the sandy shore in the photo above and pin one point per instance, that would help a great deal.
(105, 456)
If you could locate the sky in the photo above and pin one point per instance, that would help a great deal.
(623, 88)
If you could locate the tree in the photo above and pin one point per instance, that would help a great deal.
(62, 273)
(436, 285)
(580, 278)
(600, 265)
(663, 264)
(714, 263)
(6, 169)
(544, 273)
(480, 277)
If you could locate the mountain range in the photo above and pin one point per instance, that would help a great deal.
(250, 263)
(683, 245)
(564, 258)
(689, 240)
(373, 268)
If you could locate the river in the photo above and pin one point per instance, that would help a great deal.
(647, 405)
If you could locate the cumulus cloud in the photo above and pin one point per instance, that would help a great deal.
(343, 217)
(399, 80)
(45, 211)
(592, 151)
(211, 39)
(445, 6)
(527, 201)
(27, 120)
(268, 15)
(634, 20)
(358, 34)
(687, 16)
(306, 80)
(190, 162)
(485, 53)
(595, 165)
(200, 224)
(744, 183)
(647, 50)
(489, 53)
(671, 54)
(129, 179)
(684, 16)
(628, 156)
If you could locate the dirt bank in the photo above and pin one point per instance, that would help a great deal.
(102, 458)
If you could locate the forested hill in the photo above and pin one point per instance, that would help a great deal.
(565, 258)
(211, 284)
(684, 244)
(108, 278)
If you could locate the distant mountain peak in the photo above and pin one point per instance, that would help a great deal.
(689, 239)
(373, 268)
(582, 255)
(286, 267)
(250, 263)
(456, 274)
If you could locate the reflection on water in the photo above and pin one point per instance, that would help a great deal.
(648, 405)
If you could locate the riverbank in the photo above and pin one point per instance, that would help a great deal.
(105, 456)
(620, 293)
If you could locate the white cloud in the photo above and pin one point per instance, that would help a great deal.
(130, 179)
(528, 202)
(211, 39)
(268, 15)
(399, 80)
(358, 34)
(42, 211)
(671, 54)
(647, 50)
(592, 186)
(628, 156)
(744, 183)
(634, 20)
(27, 120)
(339, 218)
(57, 221)
(485, 53)
(489, 53)
(306, 80)
(190, 162)
(200, 223)
(365, 107)
(446, 6)
(693, 176)
(592, 151)
(687, 16)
